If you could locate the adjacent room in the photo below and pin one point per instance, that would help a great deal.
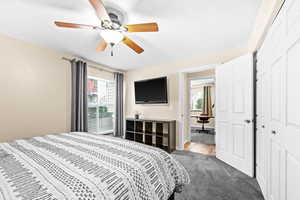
(149, 100)
(202, 112)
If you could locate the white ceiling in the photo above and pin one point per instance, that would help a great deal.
(187, 28)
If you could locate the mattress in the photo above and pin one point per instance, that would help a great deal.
(87, 166)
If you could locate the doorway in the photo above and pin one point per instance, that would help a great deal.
(201, 134)
(233, 112)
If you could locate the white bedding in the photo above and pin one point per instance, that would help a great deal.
(87, 166)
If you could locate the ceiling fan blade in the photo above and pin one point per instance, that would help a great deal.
(148, 27)
(101, 46)
(131, 44)
(71, 25)
(100, 10)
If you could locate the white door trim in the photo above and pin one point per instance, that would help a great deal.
(181, 113)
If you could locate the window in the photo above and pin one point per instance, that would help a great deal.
(100, 105)
(197, 91)
(197, 98)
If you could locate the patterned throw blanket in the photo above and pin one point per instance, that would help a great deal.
(85, 167)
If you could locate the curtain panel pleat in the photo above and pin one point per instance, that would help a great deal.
(79, 118)
(119, 102)
(207, 102)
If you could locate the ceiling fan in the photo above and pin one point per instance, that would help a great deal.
(111, 32)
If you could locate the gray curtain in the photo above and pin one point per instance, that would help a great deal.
(119, 115)
(207, 102)
(79, 121)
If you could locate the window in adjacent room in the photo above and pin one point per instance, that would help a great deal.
(196, 92)
(197, 98)
(100, 105)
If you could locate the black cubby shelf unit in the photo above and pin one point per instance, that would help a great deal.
(158, 133)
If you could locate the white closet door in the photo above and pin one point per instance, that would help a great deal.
(276, 68)
(234, 113)
(276, 131)
(261, 131)
(291, 121)
(281, 57)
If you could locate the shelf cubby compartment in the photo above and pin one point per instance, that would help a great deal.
(148, 139)
(139, 137)
(149, 127)
(139, 126)
(157, 133)
(159, 129)
(130, 135)
(129, 125)
(159, 141)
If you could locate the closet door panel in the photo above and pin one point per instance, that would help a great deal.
(277, 171)
(276, 98)
(292, 177)
(261, 133)
(292, 85)
(292, 98)
(223, 89)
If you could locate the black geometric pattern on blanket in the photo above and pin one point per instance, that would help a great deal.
(87, 167)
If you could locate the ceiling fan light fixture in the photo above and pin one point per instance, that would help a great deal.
(111, 36)
(112, 28)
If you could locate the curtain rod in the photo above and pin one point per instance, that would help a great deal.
(94, 67)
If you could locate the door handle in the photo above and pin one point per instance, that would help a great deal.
(263, 126)
(248, 121)
(273, 132)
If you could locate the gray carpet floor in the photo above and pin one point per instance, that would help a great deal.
(203, 138)
(207, 137)
(212, 179)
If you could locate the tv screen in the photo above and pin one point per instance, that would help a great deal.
(151, 91)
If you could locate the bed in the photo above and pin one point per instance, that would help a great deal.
(86, 166)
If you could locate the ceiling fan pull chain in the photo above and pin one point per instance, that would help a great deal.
(112, 49)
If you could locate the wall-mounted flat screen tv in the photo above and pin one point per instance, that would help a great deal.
(151, 91)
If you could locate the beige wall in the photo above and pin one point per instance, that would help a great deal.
(34, 88)
(170, 70)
